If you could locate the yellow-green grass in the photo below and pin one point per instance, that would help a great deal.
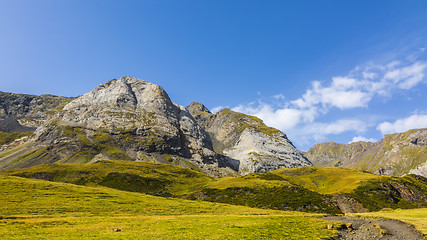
(247, 181)
(38, 209)
(6, 138)
(416, 217)
(326, 180)
(307, 189)
(123, 175)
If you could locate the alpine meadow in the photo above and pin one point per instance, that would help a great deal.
(255, 120)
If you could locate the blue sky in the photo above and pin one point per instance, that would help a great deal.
(318, 70)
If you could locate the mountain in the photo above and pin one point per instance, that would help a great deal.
(23, 113)
(132, 119)
(395, 155)
(257, 147)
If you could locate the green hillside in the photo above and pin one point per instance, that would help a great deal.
(38, 209)
(326, 180)
(151, 178)
(308, 189)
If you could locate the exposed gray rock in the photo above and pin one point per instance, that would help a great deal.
(254, 146)
(22, 112)
(132, 119)
(142, 122)
(395, 155)
(420, 170)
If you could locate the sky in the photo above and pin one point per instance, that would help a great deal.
(320, 71)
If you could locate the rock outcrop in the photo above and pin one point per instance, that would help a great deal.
(132, 119)
(22, 112)
(395, 155)
(255, 146)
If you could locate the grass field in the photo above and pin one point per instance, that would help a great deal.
(416, 217)
(326, 180)
(38, 209)
(308, 189)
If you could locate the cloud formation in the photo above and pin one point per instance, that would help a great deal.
(404, 124)
(362, 139)
(354, 90)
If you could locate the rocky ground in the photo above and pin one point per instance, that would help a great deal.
(367, 229)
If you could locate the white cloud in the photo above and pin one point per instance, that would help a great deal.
(283, 118)
(343, 93)
(354, 90)
(407, 77)
(279, 96)
(216, 109)
(339, 126)
(362, 139)
(318, 131)
(404, 124)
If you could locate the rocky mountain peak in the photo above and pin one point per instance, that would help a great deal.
(132, 119)
(257, 147)
(195, 108)
(126, 92)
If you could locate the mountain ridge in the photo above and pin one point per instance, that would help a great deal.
(395, 155)
(132, 119)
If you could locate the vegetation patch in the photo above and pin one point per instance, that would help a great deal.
(6, 138)
(326, 180)
(309, 189)
(388, 192)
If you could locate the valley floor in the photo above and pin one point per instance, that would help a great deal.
(109, 200)
(38, 209)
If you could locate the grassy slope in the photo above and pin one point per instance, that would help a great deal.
(6, 138)
(309, 189)
(416, 217)
(44, 210)
(326, 180)
(265, 190)
(152, 178)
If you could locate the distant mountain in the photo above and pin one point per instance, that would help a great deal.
(132, 119)
(395, 155)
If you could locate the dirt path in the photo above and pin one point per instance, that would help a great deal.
(364, 228)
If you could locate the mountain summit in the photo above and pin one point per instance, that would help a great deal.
(132, 119)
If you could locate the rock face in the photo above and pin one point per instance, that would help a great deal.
(256, 147)
(22, 112)
(395, 155)
(131, 119)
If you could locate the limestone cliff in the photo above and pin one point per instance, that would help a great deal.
(132, 119)
(255, 146)
(395, 155)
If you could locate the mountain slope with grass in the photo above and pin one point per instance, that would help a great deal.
(33, 208)
(23, 112)
(395, 155)
(309, 189)
(132, 119)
